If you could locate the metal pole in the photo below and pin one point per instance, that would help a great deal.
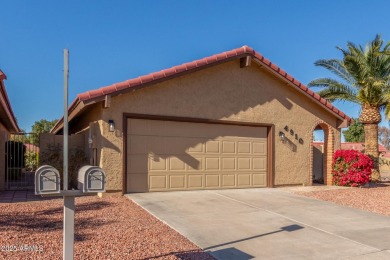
(66, 77)
(69, 205)
(68, 239)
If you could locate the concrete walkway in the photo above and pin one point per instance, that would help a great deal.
(270, 224)
(20, 196)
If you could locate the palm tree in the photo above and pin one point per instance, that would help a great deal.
(364, 79)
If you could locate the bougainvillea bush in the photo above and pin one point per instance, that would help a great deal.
(351, 168)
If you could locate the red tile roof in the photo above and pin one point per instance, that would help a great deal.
(142, 81)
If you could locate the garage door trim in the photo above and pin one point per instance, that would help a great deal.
(270, 137)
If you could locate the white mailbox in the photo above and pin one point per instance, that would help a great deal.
(91, 179)
(47, 180)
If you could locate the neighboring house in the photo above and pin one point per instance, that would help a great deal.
(353, 146)
(232, 120)
(8, 124)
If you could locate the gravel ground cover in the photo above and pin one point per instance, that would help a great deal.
(375, 198)
(105, 228)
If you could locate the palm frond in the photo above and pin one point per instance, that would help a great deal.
(334, 90)
(332, 95)
(364, 73)
(338, 68)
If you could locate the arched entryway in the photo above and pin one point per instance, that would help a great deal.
(321, 154)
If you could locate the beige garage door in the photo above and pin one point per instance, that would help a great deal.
(170, 155)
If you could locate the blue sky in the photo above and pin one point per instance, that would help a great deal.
(111, 41)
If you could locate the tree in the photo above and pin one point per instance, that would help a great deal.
(384, 136)
(355, 132)
(364, 78)
(40, 127)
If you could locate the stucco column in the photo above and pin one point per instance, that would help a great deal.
(329, 144)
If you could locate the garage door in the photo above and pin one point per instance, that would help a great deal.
(171, 155)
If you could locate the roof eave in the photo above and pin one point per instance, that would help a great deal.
(12, 124)
(73, 110)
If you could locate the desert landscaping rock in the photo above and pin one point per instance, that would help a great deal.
(374, 198)
(105, 228)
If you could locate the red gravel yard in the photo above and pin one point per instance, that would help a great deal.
(375, 199)
(105, 228)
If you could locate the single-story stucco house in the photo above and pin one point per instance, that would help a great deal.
(8, 124)
(231, 120)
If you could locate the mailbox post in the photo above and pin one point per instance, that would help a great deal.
(92, 179)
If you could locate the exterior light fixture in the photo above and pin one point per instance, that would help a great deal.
(282, 136)
(111, 126)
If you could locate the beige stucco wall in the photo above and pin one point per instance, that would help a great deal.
(224, 92)
(82, 123)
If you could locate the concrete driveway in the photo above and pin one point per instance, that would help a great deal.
(270, 224)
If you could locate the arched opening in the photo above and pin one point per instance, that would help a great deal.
(318, 173)
(322, 150)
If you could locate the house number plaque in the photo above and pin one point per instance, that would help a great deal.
(292, 133)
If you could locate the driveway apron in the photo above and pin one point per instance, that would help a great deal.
(270, 224)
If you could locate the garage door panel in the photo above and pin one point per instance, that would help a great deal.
(244, 180)
(212, 147)
(142, 127)
(244, 147)
(197, 146)
(164, 155)
(228, 180)
(229, 164)
(195, 181)
(259, 163)
(177, 181)
(157, 163)
(137, 182)
(212, 164)
(243, 163)
(174, 145)
(176, 164)
(158, 182)
(259, 180)
(229, 147)
(137, 163)
(171, 128)
(259, 148)
(195, 166)
(143, 144)
(212, 181)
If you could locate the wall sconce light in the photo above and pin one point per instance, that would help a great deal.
(282, 136)
(111, 126)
